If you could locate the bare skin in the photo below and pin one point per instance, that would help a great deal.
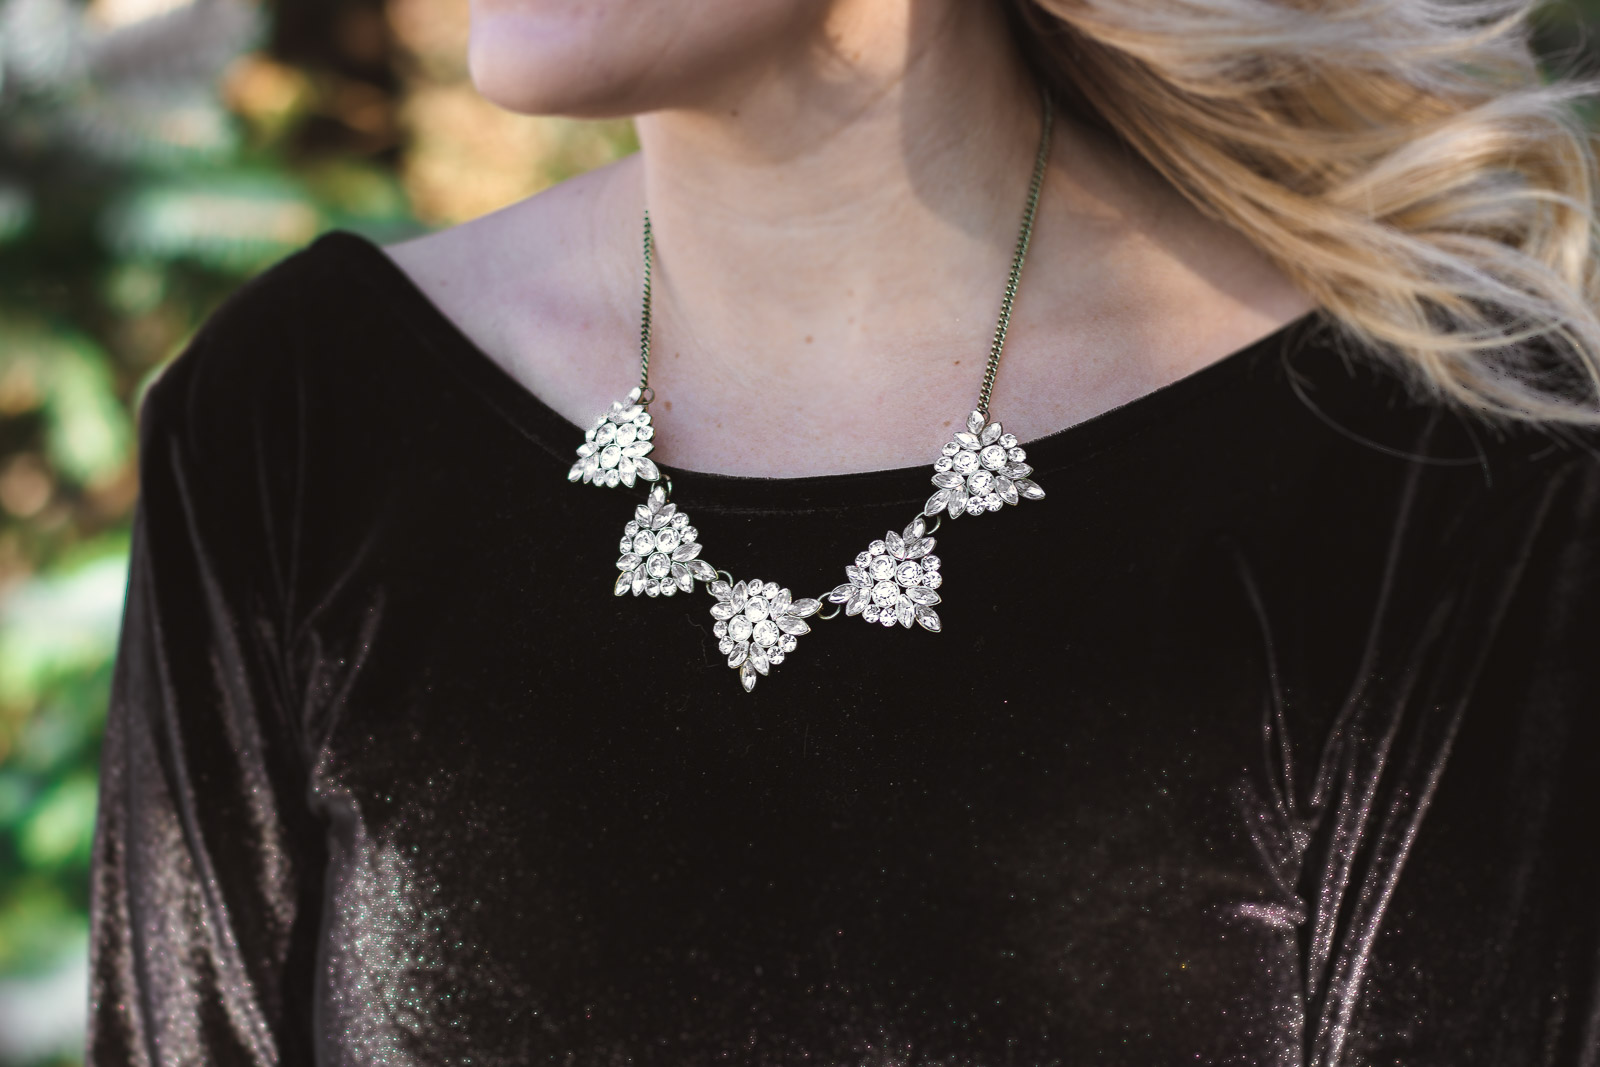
(835, 195)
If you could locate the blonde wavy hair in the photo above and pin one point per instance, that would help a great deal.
(1403, 160)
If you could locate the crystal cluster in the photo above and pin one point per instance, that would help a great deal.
(757, 625)
(615, 449)
(894, 580)
(981, 469)
(659, 551)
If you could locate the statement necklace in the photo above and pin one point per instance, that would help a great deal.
(894, 582)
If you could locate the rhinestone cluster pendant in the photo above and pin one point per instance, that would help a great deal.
(659, 550)
(615, 450)
(757, 624)
(980, 469)
(894, 580)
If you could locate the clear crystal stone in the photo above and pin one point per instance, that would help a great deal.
(647, 469)
(927, 618)
(724, 646)
(885, 592)
(758, 658)
(685, 581)
(932, 579)
(747, 677)
(680, 522)
(948, 479)
(765, 633)
(638, 581)
(644, 542)
(975, 421)
(702, 570)
(841, 593)
(965, 462)
(775, 656)
(684, 553)
(858, 602)
(804, 607)
(612, 478)
(605, 434)
(862, 559)
(791, 625)
(659, 565)
(980, 482)
(755, 609)
(877, 548)
(903, 612)
(1030, 489)
(950, 448)
(652, 588)
(871, 613)
(882, 568)
(936, 502)
(1018, 471)
(975, 505)
(722, 610)
(629, 561)
(886, 617)
(721, 589)
(626, 434)
(609, 456)
(635, 393)
(993, 457)
(788, 643)
(575, 471)
(942, 463)
(772, 590)
(993, 502)
(667, 539)
(1006, 488)
(1016, 455)
(739, 628)
(624, 583)
(967, 441)
(909, 573)
(931, 563)
(662, 517)
(915, 529)
(779, 603)
(991, 434)
(958, 501)
(921, 594)
(646, 431)
(625, 545)
(1008, 440)
(668, 587)
(893, 543)
(740, 651)
(719, 628)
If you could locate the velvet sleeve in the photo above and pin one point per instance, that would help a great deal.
(206, 871)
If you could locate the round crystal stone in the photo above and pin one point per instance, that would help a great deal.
(932, 579)
(974, 505)
(882, 568)
(765, 633)
(631, 529)
(877, 548)
(609, 456)
(612, 477)
(775, 656)
(644, 542)
(964, 462)
(909, 574)
(871, 613)
(641, 420)
(942, 463)
(930, 563)
(1008, 440)
(887, 617)
(646, 431)
(980, 482)
(950, 448)
(659, 565)
(993, 457)
(626, 433)
(788, 642)
(739, 628)
(1017, 455)
(993, 502)
(885, 592)
(605, 434)
(755, 609)
(720, 628)
(667, 539)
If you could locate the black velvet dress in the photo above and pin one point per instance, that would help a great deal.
(1270, 736)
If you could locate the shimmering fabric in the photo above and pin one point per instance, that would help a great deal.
(1270, 737)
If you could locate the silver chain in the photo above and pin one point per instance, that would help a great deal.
(1024, 236)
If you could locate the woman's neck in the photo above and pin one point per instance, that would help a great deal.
(857, 198)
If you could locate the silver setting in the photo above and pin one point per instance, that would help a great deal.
(981, 468)
(894, 580)
(660, 553)
(757, 625)
(615, 450)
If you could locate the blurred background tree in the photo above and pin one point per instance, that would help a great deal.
(154, 154)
